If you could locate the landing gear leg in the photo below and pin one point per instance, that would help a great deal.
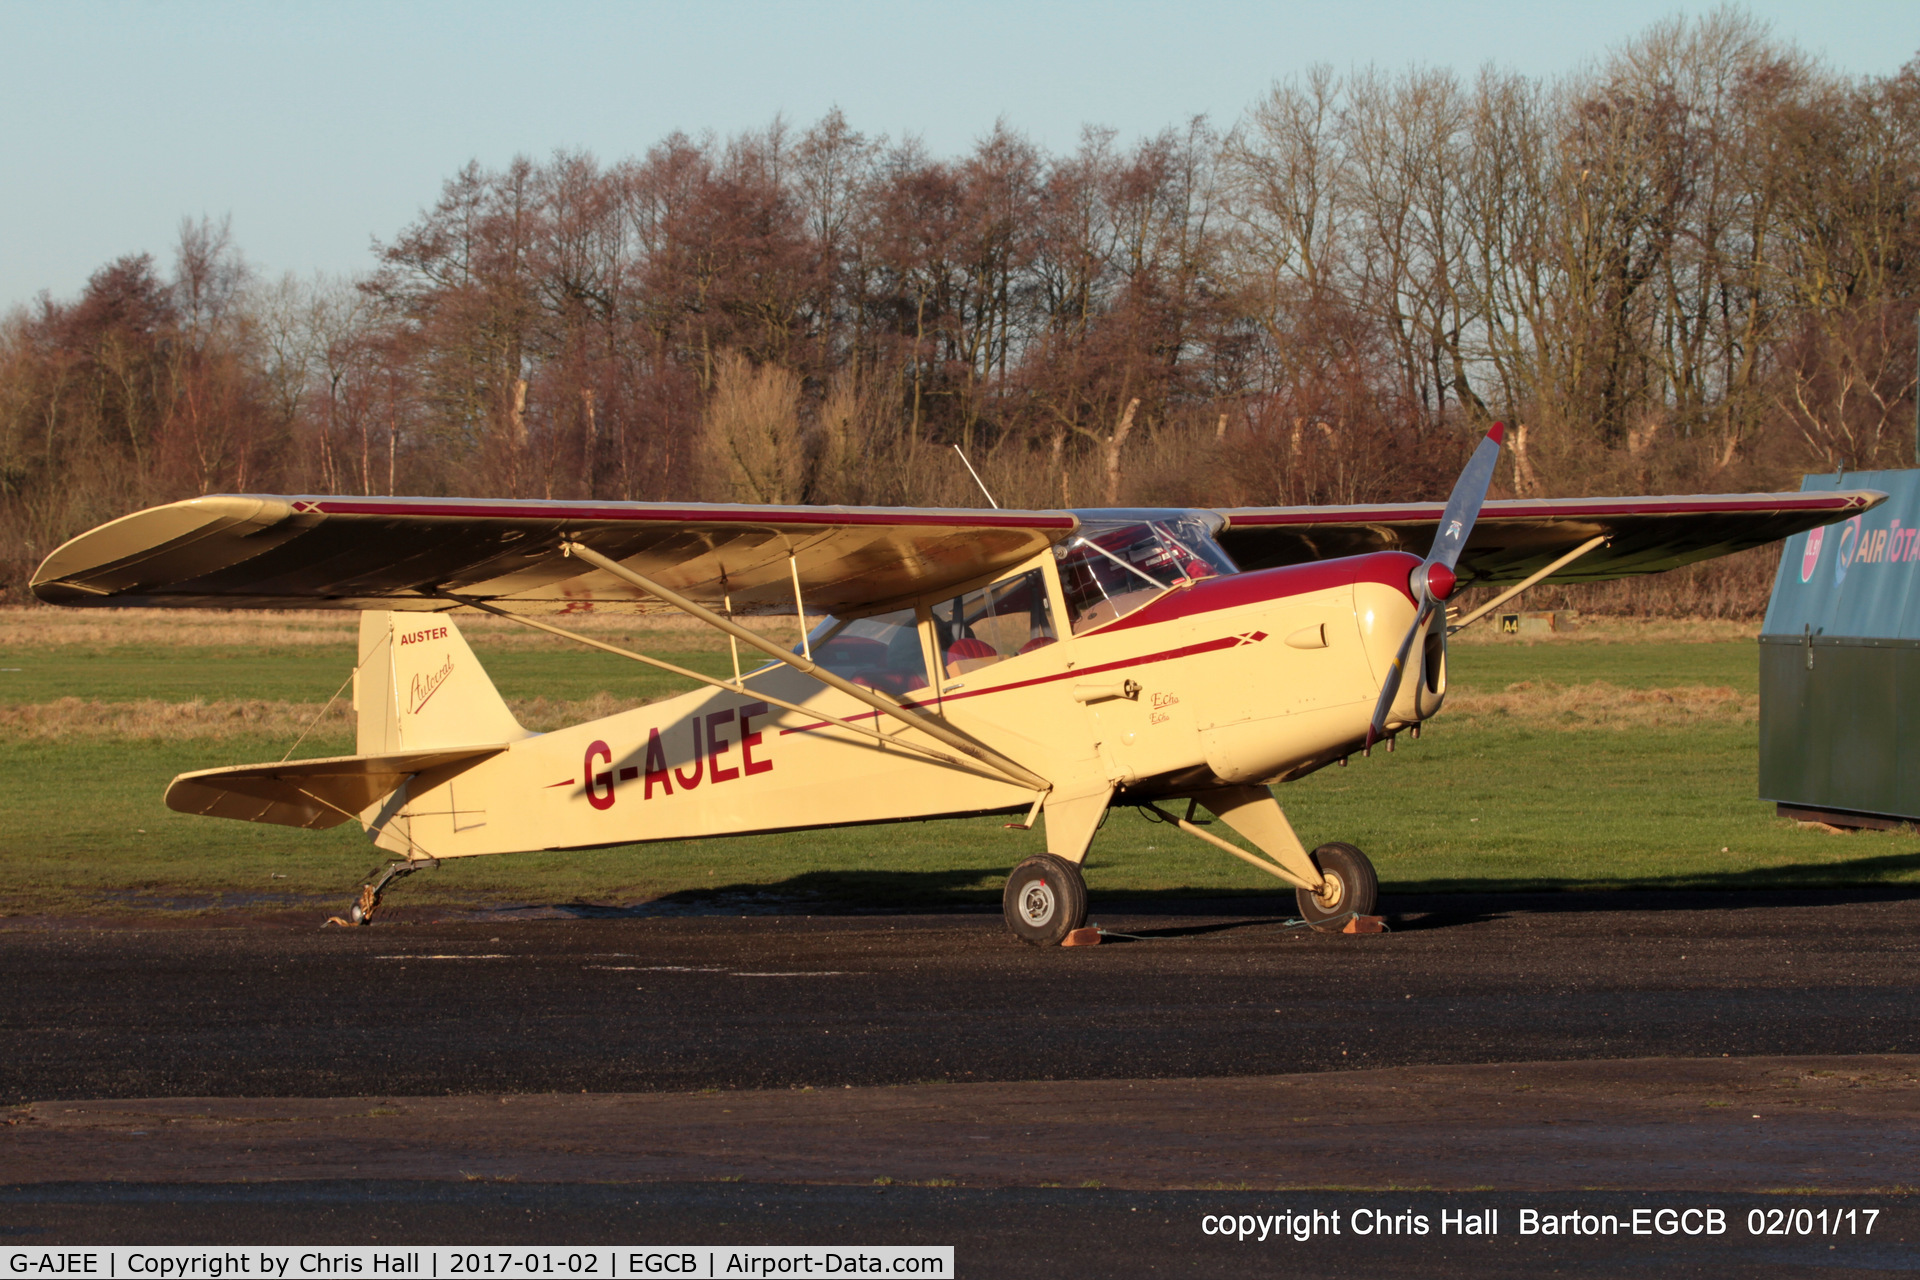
(361, 912)
(1333, 884)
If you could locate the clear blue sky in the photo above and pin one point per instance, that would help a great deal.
(318, 127)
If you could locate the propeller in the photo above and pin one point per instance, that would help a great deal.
(1434, 580)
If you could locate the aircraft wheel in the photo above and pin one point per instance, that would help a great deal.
(1351, 888)
(1045, 900)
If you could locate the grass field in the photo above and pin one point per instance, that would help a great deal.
(1618, 756)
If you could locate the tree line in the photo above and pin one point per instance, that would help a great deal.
(1691, 266)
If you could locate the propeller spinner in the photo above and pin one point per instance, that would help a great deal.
(1434, 580)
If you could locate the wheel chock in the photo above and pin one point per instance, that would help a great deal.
(1087, 937)
(1366, 924)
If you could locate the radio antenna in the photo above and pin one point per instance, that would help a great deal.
(976, 476)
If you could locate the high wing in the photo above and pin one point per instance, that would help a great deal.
(263, 552)
(252, 551)
(1516, 537)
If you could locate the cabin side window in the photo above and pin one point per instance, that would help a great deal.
(995, 623)
(879, 652)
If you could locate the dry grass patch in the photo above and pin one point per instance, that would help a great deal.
(34, 626)
(1601, 630)
(41, 627)
(1542, 704)
(543, 715)
(1601, 705)
(150, 719)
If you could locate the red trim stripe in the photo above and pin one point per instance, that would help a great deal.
(638, 512)
(1390, 568)
(1211, 596)
(1555, 509)
(1165, 655)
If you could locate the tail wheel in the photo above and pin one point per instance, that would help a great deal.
(1350, 888)
(1045, 900)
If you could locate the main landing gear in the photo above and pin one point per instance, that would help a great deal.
(1348, 888)
(361, 912)
(1046, 896)
(1045, 900)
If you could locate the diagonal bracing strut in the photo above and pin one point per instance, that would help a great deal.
(806, 666)
(732, 686)
(1524, 583)
(1267, 865)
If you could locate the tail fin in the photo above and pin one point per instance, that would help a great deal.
(418, 687)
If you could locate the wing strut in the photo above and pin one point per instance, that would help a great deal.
(806, 666)
(1526, 582)
(732, 686)
(1267, 865)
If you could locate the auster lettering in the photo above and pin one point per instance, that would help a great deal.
(421, 637)
(748, 741)
(717, 747)
(599, 799)
(424, 687)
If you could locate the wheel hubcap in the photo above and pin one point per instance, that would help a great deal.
(1037, 904)
(1331, 893)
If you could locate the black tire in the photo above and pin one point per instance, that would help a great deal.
(1353, 888)
(1045, 900)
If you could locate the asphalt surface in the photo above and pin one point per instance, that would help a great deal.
(262, 1008)
(1847, 1124)
(1011, 1232)
(638, 1004)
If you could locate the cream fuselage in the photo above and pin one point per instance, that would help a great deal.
(1245, 679)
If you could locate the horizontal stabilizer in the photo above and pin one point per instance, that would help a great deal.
(308, 793)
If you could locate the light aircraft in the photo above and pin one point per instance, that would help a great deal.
(1046, 663)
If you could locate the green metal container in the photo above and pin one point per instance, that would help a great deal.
(1840, 664)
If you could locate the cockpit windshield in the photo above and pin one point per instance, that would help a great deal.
(1114, 567)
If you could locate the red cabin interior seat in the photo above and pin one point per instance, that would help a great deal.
(967, 653)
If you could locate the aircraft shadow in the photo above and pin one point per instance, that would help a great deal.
(811, 893)
(1795, 884)
(1408, 906)
(1450, 904)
